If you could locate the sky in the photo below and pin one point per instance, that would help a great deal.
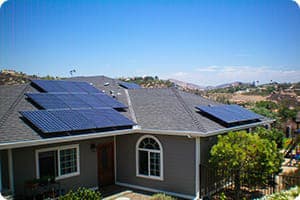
(207, 42)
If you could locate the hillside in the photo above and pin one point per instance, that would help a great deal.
(11, 77)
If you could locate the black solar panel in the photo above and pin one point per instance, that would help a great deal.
(229, 113)
(128, 85)
(45, 121)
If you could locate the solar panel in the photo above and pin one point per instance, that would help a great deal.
(109, 101)
(48, 85)
(45, 121)
(73, 119)
(58, 86)
(128, 85)
(99, 120)
(91, 100)
(229, 113)
(72, 101)
(47, 101)
(49, 121)
(87, 87)
(69, 86)
(116, 117)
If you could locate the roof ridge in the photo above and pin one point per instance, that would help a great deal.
(187, 109)
(130, 106)
(13, 105)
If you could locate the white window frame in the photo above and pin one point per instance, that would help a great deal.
(149, 151)
(58, 149)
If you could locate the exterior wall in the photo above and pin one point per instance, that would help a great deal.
(205, 147)
(24, 164)
(178, 163)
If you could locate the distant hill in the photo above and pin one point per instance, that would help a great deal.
(233, 84)
(12, 77)
(185, 85)
(148, 81)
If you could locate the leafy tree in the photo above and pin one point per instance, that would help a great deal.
(265, 112)
(286, 113)
(270, 105)
(243, 155)
(275, 135)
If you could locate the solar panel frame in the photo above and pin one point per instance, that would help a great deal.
(45, 121)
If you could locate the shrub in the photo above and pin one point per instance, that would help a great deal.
(82, 193)
(161, 197)
(284, 195)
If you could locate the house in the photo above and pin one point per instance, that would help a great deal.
(149, 139)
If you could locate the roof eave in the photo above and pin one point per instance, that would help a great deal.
(190, 134)
(29, 143)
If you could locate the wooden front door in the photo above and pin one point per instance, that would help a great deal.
(106, 171)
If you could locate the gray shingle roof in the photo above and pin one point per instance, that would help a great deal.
(170, 109)
(161, 109)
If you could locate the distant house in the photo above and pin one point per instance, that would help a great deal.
(75, 131)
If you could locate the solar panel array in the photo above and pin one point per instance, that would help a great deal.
(74, 100)
(229, 113)
(64, 86)
(128, 85)
(73, 106)
(51, 121)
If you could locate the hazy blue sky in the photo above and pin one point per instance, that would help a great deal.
(206, 42)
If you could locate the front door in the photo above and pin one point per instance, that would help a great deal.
(106, 174)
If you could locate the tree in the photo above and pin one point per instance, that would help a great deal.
(243, 155)
(275, 135)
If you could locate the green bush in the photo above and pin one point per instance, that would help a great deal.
(161, 197)
(290, 194)
(82, 193)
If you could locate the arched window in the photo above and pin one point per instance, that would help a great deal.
(149, 158)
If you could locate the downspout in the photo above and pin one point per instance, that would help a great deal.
(10, 171)
(0, 173)
(197, 165)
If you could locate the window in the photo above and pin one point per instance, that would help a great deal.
(149, 158)
(59, 162)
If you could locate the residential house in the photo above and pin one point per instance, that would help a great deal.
(148, 139)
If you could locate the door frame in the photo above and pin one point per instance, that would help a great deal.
(99, 146)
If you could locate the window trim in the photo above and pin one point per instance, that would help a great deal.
(161, 177)
(58, 149)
